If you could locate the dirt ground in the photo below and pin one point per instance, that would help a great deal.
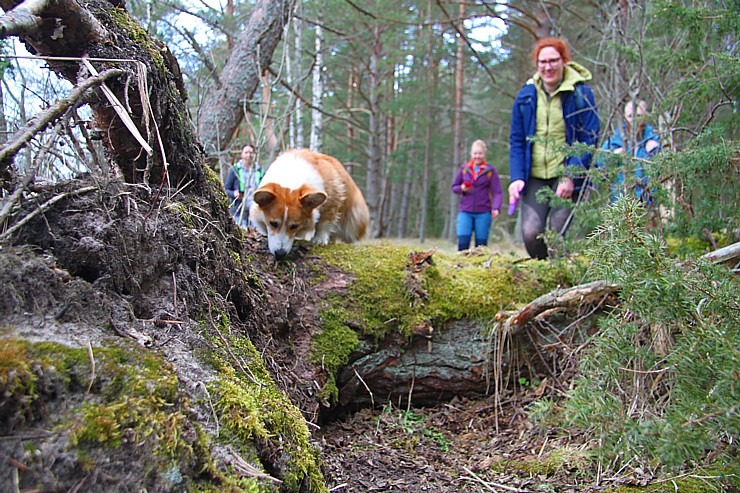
(453, 447)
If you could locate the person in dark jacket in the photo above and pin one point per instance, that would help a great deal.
(478, 183)
(636, 139)
(242, 180)
(555, 108)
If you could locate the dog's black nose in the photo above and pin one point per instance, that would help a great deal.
(280, 254)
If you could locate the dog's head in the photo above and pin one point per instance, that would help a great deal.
(284, 215)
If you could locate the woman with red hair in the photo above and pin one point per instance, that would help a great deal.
(555, 108)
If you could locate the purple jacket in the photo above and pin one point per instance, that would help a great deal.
(486, 194)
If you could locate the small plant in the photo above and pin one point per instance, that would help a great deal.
(412, 424)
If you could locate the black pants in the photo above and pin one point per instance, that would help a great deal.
(536, 215)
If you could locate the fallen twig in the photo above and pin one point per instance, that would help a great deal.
(490, 485)
(558, 299)
(92, 369)
(729, 252)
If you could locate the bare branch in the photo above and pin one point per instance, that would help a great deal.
(558, 299)
(22, 19)
(729, 252)
(40, 121)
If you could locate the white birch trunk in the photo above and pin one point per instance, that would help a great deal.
(318, 90)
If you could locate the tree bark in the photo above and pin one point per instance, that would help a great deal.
(431, 86)
(317, 125)
(223, 107)
(730, 252)
(374, 165)
(457, 142)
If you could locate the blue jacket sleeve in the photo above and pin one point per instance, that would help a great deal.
(517, 145)
(587, 132)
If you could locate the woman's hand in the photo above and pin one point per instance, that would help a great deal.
(565, 188)
(494, 213)
(515, 190)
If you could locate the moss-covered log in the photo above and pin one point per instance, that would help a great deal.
(432, 326)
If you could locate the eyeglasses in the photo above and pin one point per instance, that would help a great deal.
(552, 62)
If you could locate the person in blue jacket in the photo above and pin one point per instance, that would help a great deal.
(554, 108)
(635, 138)
(480, 187)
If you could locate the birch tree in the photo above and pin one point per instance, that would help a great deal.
(318, 91)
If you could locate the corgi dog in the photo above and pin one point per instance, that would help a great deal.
(306, 195)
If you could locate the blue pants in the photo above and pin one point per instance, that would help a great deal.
(469, 222)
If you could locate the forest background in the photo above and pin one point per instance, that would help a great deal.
(399, 90)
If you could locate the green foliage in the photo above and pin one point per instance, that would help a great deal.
(414, 425)
(706, 178)
(660, 380)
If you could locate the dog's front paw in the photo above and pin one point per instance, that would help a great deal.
(320, 239)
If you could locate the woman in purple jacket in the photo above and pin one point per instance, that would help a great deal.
(478, 183)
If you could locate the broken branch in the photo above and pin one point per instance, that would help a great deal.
(40, 121)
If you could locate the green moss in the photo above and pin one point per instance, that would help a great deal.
(181, 210)
(682, 247)
(17, 381)
(574, 460)
(457, 287)
(214, 180)
(251, 408)
(138, 34)
(332, 347)
(379, 294)
(128, 398)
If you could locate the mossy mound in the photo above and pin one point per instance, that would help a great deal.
(390, 294)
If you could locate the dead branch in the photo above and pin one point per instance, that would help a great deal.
(22, 19)
(730, 252)
(559, 299)
(39, 122)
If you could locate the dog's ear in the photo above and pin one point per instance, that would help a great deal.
(313, 199)
(263, 197)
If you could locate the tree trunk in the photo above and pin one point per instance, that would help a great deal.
(223, 107)
(318, 92)
(297, 118)
(431, 83)
(374, 166)
(464, 357)
(352, 83)
(407, 184)
(457, 141)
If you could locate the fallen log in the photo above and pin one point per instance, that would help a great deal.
(461, 357)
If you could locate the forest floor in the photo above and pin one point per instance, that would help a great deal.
(455, 446)
(464, 445)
